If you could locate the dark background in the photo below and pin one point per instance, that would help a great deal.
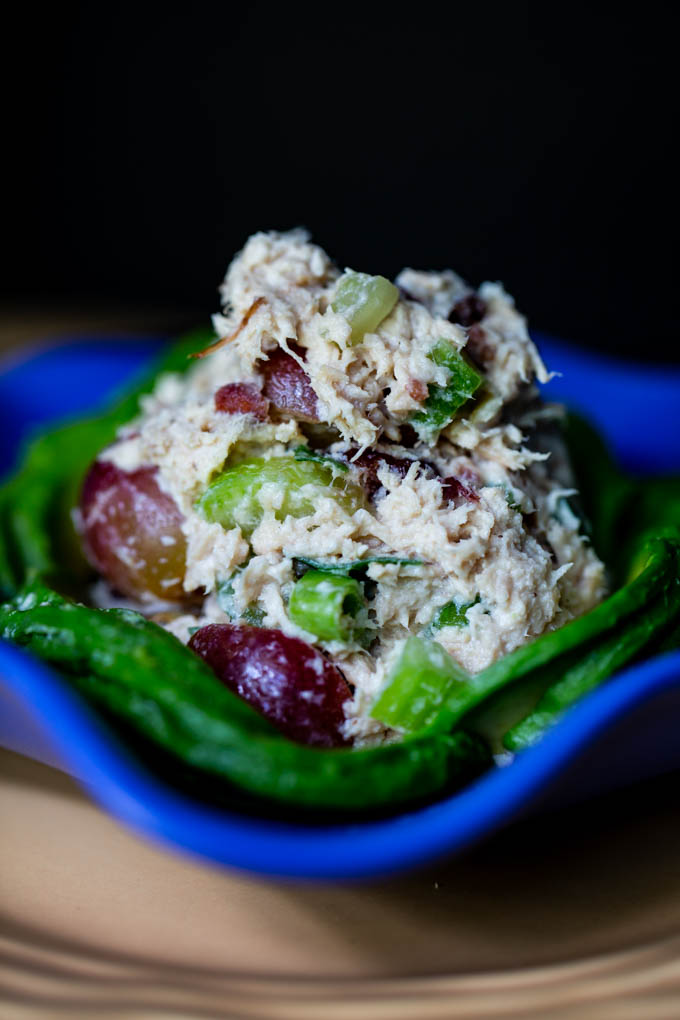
(146, 142)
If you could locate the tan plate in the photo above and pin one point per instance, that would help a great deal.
(576, 915)
(569, 915)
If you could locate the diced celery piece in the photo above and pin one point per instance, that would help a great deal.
(364, 301)
(232, 499)
(327, 605)
(418, 686)
(451, 614)
(444, 401)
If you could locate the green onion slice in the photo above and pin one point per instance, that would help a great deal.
(327, 605)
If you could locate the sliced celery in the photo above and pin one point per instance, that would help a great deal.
(233, 498)
(364, 301)
(444, 401)
(327, 605)
(418, 686)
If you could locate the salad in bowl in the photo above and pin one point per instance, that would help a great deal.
(337, 554)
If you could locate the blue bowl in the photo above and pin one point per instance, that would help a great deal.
(623, 732)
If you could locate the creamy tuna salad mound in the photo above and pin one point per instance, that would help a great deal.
(351, 463)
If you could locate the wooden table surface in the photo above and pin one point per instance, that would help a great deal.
(574, 914)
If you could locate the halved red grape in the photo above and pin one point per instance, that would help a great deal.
(287, 386)
(242, 398)
(133, 532)
(285, 679)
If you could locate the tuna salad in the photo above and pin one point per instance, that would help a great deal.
(355, 480)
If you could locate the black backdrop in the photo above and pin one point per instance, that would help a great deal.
(147, 141)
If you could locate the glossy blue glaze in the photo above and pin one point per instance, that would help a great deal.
(625, 730)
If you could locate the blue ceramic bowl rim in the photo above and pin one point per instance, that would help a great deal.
(352, 850)
(92, 752)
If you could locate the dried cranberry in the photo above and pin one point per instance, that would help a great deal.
(286, 680)
(287, 386)
(453, 489)
(370, 461)
(468, 310)
(242, 398)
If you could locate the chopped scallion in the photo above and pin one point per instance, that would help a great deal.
(327, 605)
